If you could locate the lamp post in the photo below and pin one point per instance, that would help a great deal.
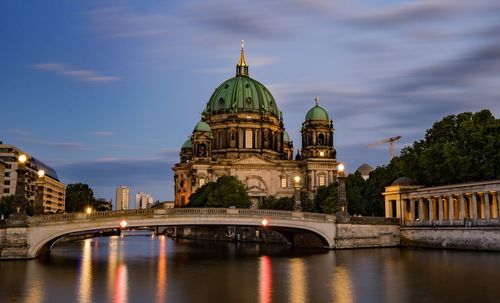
(40, 184)
(342, 215)
(20, 196)
(297, 186)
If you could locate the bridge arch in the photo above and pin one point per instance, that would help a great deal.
(43, 233)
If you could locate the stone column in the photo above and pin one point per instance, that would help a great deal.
(388, 209)
(451, 209)
(412, 209)
(421, 215)
(487, 208)
(494, 201)
(474, 208)
(440, 208)
(431, 208)
(461, 202)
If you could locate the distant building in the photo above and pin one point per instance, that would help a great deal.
(143, 200)
(44, 188)
(365, 171)
(2, 175)
(122, 198)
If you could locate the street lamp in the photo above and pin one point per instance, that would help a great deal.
(88, 210)
(342, 215)
(21, 186)
(297, 186)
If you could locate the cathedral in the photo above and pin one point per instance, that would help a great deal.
(241, 133)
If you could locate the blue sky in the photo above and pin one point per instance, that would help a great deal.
(106, 92)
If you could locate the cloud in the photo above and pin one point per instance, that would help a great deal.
(63, 145)
(101, 133)
(18, 132)
(122, 22)
(80, 74)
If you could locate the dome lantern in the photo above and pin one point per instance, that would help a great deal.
(242, 66)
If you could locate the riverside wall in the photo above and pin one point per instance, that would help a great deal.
(471, 238)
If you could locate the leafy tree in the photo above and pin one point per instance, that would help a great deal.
(227, 191)
(79, 196)
(326, 200)
(459, 148)
(355, 192)
(7, 206)
(283, 203)
(306, 203)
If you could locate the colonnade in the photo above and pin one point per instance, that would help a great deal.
(441, 206)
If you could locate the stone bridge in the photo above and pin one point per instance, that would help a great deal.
(29, 238)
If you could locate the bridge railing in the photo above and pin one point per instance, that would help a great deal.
(174, 212)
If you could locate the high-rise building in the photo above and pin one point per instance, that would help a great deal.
(122, 198)
(40, 183)
(242, 134)
(143, 200)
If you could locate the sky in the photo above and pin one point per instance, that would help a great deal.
(106, 92)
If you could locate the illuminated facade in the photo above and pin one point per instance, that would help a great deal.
(241, 133)
(122, 198)
(46, 188)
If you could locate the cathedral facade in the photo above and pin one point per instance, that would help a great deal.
(241, 133)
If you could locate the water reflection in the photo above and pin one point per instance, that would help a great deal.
(121, 284)
(342, 285)
(298, 281)
(112, 263)
(161, 287)
(85, 276)
(265, 279)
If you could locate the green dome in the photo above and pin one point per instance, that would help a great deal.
(286, 137)
(317, 113)
(202, 127)
(242, 94)
(187, 144)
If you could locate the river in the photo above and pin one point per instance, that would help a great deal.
(159, 269)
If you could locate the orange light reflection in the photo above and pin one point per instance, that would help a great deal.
(265, 279)
(161, 287)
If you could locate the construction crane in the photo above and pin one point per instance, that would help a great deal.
(390, 140)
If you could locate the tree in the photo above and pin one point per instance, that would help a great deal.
(7, 206)
(283, 203)
(227, 191)
(327, 199)
(78, 197)
(355, 193)
(458, 148)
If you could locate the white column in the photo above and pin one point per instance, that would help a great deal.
(451, 208)
(487, 206)
(412, 209)
(421, 215)
(388, 208)
(474, 207)
(431, 207)
(461, 202)
(440, 208)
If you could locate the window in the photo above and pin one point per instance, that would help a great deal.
(7, 174)
(248, 138)
(283, 182)
(7, 182)
(201, 181)
(322, 180)
(6, 190)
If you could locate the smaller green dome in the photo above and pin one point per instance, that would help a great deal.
(317, 113)
(187, 144)
(286, 137)
(202, 127)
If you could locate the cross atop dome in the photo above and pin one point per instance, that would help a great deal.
(241, 66)
(316, 100)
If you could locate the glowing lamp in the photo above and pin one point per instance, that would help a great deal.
(123, 223)
(296, 179)
(22, 158)
(264, 222)
(41, 173)
(88, 210)
(321, 153)
(341, 167)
